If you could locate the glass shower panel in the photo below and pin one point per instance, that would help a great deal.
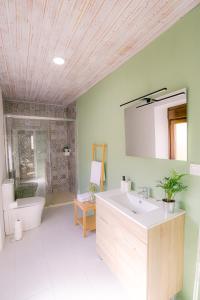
(41, 150)
(36, 160)
(26, 152)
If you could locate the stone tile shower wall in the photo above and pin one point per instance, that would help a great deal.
(60, 169)
(71, 134)
(15, 125)
(40, 110)
(71, 140)
(71, 111)
(59, 162)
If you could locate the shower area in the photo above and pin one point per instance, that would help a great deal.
(37, 160)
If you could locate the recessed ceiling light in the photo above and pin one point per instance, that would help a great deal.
(58, 60)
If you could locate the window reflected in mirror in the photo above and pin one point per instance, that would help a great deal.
(158, 129)
(177, 117)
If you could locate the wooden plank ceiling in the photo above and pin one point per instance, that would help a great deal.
(93, 36)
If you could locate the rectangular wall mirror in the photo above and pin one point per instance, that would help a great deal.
(157, 128)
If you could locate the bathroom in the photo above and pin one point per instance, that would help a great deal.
(66, 69)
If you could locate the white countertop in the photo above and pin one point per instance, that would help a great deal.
(146, 220)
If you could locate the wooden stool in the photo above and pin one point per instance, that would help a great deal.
(88, 222)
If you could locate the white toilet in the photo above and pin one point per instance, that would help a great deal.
(28, 210)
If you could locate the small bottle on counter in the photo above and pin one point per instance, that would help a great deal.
(127, 186)
(123, 181)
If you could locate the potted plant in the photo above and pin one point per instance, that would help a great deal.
(171, 185)
(92, 190)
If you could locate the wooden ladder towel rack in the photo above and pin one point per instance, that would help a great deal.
(103, 157)
(89, 221)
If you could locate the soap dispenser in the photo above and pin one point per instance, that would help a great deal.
(123, 181)
(127, 185)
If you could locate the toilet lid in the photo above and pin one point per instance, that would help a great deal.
(30, 201)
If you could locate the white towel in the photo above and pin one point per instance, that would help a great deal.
(95, 176)
(83, 197)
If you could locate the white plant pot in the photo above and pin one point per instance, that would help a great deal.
(169, 206)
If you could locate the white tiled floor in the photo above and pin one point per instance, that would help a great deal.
(54, 262)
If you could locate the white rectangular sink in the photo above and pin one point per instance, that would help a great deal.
(134, 202)
(146, 212)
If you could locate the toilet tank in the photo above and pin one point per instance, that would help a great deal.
(8, 193)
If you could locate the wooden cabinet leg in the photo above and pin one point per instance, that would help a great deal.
(84, 224)
(75, 214)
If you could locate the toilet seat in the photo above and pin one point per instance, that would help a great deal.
(30, 201)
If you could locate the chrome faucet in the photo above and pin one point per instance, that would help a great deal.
(145, 192)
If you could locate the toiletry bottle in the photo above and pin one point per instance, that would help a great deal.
(123, 181)
(127, 186)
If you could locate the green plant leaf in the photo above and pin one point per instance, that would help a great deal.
(172, 184)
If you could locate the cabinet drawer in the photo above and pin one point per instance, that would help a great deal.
(125, 245)
(131, 249)
(104, 235)
(115, 219)
(132, 263)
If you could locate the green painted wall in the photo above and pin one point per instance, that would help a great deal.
(172, 60)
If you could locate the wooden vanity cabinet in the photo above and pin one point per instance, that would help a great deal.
(148, 262)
